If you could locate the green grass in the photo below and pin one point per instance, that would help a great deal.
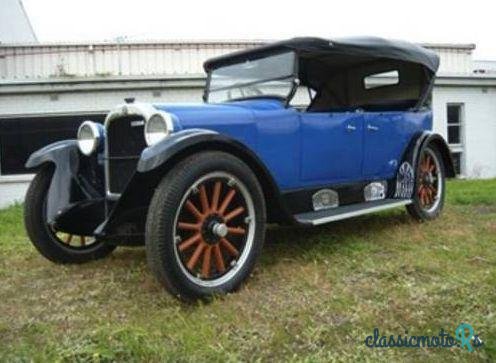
(314, 296)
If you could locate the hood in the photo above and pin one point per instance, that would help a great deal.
(210, 115)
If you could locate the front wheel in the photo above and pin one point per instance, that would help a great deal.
(205, 226)
(428, 199)
(55, 245)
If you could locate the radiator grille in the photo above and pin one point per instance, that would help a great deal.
(125, 142)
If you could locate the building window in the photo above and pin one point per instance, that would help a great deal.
(455, 134)
(21, 136)
(457, 161)
(455, 124)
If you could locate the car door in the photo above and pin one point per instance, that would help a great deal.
(331, 147)
(385, 137)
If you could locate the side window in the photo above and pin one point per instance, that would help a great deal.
(382, 79)
(302, 98)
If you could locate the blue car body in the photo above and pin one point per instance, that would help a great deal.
(303, 149)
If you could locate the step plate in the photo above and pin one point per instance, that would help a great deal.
(349, 211)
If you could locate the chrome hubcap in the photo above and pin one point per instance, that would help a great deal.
(220, 229)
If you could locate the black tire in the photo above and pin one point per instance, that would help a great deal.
(164, 257)
(40, 234)
(418, 210)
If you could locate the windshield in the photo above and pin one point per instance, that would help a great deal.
(271, 76)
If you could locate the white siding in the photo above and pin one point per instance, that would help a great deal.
(479, 129)
(455, 61)
(109, 59)
(92, 101)
(52, 61)
(13, 189)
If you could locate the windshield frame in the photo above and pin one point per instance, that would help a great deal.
(287, 99)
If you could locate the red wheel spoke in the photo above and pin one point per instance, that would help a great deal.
(430, 194)
(233, 214)
(204, 200)
(216, 196)
(226, 201)
(196, 256)
(427, 163)
(206, 262)
(236, 230)
(426, 197)
(433, 189)
(229, 247)
(219, 260)
(188, 226)
(191, 207)
(83, 240)
(69, 239)
(421, 196)
(190, 242)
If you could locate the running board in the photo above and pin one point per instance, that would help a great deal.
(349, 211)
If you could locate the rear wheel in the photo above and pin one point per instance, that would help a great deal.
(205, 226)
(428, 199)
(57, 246)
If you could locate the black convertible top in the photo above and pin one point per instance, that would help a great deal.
(362, 48)
(352, 73)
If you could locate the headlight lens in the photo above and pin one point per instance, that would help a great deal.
(89, 137)
(157, 128)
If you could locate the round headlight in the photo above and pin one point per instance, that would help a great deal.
(157, 128)
(89, 136)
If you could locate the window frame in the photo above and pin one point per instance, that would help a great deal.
(293, 75)
(459, 147)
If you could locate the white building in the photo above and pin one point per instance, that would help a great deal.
(46, 90)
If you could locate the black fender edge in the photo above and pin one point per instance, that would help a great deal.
(405, 179)
(76, 189)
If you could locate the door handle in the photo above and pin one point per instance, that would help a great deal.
(372, 128)
(350, 127)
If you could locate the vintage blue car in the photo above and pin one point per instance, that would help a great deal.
(304, 131)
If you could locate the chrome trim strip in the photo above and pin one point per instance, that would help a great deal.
(360, 212)
(144, 110)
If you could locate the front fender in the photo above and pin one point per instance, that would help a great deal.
(156, 155)
(76, 185)
(64, 156)
(55, 153)
(161, 158)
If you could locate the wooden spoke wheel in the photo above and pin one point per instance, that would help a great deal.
(428, 199)
(214, 228)
(72, 240)
(429, 181)
(205, 226)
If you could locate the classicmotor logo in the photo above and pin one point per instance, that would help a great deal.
(464, 338)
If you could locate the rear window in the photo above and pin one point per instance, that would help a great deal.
(383, 79)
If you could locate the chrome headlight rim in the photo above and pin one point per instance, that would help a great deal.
(89, 137)
(164, 126)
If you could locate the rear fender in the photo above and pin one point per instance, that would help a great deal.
(405, 178)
